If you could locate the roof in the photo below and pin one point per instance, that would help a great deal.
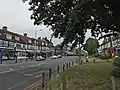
(23, 39)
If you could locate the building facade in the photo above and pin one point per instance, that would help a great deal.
(24, 46)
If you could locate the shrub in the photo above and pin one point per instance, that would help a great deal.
(96, 55)
(116, 70)
(104, 57)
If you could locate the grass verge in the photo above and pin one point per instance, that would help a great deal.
(85, 77)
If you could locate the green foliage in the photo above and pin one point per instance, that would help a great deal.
(116, 70)
(71, 18)
(104, 57)
(91, 46)
(86, 77)
(96, 55)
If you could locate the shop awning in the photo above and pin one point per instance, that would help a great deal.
(30, 51)
(38, 51)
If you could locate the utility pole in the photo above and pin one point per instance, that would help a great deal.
(35, 44)
(79, 52)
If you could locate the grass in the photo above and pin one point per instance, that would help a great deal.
(85, 77)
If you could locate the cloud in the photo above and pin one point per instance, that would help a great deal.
(15, 15)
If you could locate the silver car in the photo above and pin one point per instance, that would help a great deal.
(40, 58)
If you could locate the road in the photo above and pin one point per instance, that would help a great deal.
(19, 76)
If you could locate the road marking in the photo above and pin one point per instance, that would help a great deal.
(28, 74)
(38, 76)
(8, 71)
(17, 85)
(11, 69)
(32, 85)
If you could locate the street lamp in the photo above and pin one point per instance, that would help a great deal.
(36, 42)
(80, 41)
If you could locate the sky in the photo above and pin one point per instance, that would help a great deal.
(15, 15)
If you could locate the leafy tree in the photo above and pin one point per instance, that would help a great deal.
(91, 46)
(71, 18)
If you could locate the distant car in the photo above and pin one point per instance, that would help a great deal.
(54, 57)
(40, 58)
(59, 56)
(116, 60)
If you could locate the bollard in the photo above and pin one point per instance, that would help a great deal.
(69, 64)
(16, 61)
(58, 69)
(1, 61)
(50, 73)
(93, 60)
(72, 63)
(43, 78)
(63, 67)
(66, 65)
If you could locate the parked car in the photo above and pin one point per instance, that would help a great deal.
(40, 58)
(54, 57)
(59, 56)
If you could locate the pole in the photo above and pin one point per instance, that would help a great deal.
(35, 44)
(113, 83)
(79, 52)
(117, 45)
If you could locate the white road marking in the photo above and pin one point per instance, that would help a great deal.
(17, 85)
(11, 69)
(8, 71)
(28, 74)
(38, 76)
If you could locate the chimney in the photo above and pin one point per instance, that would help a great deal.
(39, 38)
(25, 34)
(4, 28)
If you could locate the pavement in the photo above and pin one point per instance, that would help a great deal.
(21, 75)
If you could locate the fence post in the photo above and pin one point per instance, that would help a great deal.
(66, 65)
(72, 63)
(113, 83)
(58, 69)
(49, 73)
(63, 67)
(69, 64)
(43, 78)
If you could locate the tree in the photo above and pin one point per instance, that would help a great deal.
(91, 46)
(70, 19)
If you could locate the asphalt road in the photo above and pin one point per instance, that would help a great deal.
(19, 76)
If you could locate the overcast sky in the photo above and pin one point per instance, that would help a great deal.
(15, 15)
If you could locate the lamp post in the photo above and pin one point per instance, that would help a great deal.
(35, 43)
(80, 40)
(79, 52)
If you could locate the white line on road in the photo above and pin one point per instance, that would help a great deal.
(8, 71)
(17, 85)
(28, 74)
(38, 76)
